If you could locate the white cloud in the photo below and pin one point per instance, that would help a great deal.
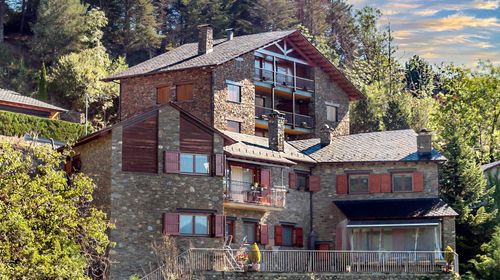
(426, 12)
(459, 22)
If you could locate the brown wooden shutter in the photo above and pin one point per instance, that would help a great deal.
(292, 180)
(184, 92)
(162, 95)
(278, 235)
(264, 234)
(341, 184)
(171, 223)
(172, 164)
(314, 182)
(68, 166)
(219, 165)
(374, 181)
(265, 178)
(299, 237)
(219, 225)
(385, 183)
(418, 181)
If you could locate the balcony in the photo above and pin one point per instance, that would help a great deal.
(246, 195)
(285, 80)
(291, 119)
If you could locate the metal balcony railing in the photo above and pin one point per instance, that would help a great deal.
(247, 192)
(283, 79)
(290, 118)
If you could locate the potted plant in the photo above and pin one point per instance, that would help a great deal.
(254, 257)
(449, 256)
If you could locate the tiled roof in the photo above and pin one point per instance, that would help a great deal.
(396, 145)
(395, 208)
(14, 97)
(186, 56)
(257, 148)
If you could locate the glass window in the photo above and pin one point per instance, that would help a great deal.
(193, 224)
(186, 224)
(287, 236)
(358, 183)
(250, 232)
(194, 163)
(402, 182)
(187, 163)
(331, 113)
(234, 126)
(201, 164)
(201, 225)
(230, 228)
(302, 181)
(234, 93)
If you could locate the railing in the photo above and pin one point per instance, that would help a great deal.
(283, 79)
(246, 192)
(299, 120)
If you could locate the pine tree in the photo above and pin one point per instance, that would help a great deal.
(363, 118)
(273, 15)
(42, 84)
(396, 116)
(419, 77)
(2, 19)
(312, 15)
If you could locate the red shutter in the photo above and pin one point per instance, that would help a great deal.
(324, 247)
(171, 162)
(264, 234)
(292, 180)
(265, 178)
(299, 238)
(171, 223)
(278, 235)
(418, 181)
(374, 181)
(219, 225)
(219, 165)
(314, 183)
(341, 184)
(385, 183)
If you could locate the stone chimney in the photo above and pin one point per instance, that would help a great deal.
(424, 143)
(230, 34)
(325, 135)
(205, 39)
(276, 131)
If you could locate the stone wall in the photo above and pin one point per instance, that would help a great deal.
(448, 232)
(138, 94)
(320, 276)
(328, 91)
(240, 72)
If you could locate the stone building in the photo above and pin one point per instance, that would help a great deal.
(246, 140)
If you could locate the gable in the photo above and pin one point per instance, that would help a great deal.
(193, 137)
(140, 144)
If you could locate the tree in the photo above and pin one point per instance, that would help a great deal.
(42, 84)
(363, 117)
(396, 116)
(488, 264)
(2, 19)
(58, 28)
(273, 15)
(48, 227)
(419, 77)
(311, 14)
(343, 32)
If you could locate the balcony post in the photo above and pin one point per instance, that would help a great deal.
(294, 76)
(274, 71)
(293, 109)
(272, 99)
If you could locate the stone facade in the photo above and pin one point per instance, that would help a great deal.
(320, 276)
(238, 70)
(449, 232)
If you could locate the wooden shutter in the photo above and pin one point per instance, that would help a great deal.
(219, 165)
(140, 144)
(299, 237)
(398, 239)
(184, 92)
(418, 181)
(374, 181)
(341, 184)
(264, 234)
(278, 235)
(314, 183)
(324, 247)
(162, 95)
(172, 164)
(385, 183)
(68, 166)
(265, 178)
(292, 180)
(171, 223)
(338, 238)
(219, 225)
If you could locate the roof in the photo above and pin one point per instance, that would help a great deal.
(385, 146)
(16, 98)
(186, 57)
(394, 208)
(257, 148)
(488, 166)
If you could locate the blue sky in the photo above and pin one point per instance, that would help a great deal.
(461, 31)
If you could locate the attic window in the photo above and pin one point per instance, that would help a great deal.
(238, 62)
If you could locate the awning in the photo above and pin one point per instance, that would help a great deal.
(393, 223)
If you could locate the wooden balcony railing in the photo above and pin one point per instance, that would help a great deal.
(290, 118)
(246, 192)
(283, 79)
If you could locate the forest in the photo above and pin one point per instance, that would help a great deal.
(59, 50)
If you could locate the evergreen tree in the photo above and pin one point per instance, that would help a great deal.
(363, 118)
(42, 84)
(419, 77)
(311, 14)
(343, 32)
(2, 19)
(487, 265)
(273, 15)
(241, 18)
(396, 116)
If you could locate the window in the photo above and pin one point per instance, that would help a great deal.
(260, 132)
(233, 126)
(402, 182)
(234, 93)
(194, 163)
(250, 229)
(230, 228)
(288, 236)
(162, 95)
(193, 225)
(332, 113)
(358, 183)
(184, 92)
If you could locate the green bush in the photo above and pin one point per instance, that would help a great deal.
(14, 124)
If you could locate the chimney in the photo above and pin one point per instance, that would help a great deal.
(205, 39)
(325, 135)
(424, 143)
(276, 131)
(230, 34)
